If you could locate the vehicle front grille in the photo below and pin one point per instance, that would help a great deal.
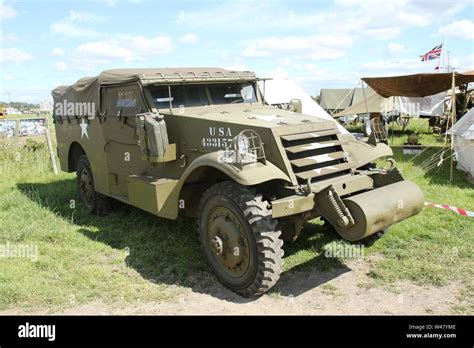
(316, 155)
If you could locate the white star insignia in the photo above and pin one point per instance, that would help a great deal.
(83, 126)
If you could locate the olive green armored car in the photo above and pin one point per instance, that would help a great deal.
(204, 142)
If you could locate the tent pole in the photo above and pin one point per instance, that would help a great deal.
(365, 99)
(453, 120)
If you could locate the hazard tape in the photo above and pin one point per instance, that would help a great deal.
(450, 207)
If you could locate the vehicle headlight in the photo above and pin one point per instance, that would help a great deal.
(243, 144)
(248, 147)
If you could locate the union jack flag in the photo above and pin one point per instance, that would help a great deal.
(435, 53)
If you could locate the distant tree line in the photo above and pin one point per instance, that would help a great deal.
(20, 105)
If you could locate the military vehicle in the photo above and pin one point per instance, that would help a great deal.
(203, 141)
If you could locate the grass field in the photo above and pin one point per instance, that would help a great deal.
(132, 256)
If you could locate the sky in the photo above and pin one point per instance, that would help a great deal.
(321, 44)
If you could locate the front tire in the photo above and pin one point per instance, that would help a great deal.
(240, 238)
(94, 202)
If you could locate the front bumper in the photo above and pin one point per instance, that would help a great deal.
(297, 204)
(360, 215)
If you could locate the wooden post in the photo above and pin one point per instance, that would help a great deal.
(51, 151)
(453, 120)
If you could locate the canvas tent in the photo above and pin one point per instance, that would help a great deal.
(464, 142)
(373, 104)
(282, 88)
(337, 99)
(333, 99)
(417, 85)
(421, 85)
(426, 90)
(413, 106)
(432, 105)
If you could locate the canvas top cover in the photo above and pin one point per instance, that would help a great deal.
(87, 88)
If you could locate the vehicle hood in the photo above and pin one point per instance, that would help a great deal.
(255, 115)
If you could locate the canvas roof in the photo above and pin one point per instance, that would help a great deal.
(417, 85)
(87, 88)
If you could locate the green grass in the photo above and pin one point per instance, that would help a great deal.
(131, 255)
(396, 135)
(20, 116)
(82, 258)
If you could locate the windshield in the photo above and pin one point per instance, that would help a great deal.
(202, 94)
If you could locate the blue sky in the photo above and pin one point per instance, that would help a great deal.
(320, 44)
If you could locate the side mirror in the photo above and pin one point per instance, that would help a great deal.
(295, 106)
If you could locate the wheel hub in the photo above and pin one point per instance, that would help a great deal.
(228, 242)
(86, 186)
(217, 245)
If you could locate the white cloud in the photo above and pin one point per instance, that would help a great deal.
(71, 29)
(7, 37)
(462, 63)
(73, 24)
(397, 67)
(110, 3)
(149, 46)
(236, 64)
(254, 52)
(395, 47)
(362, 20)
(463, 29)
(189, 38)
(315, 47)
(6, 12)
(104, 50)
(8, 77)
(13, 55)
(61, 66)
(312, 77)
(121, 49)
(59, 52)
(84, 17)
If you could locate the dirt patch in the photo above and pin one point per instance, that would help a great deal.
(339, 291)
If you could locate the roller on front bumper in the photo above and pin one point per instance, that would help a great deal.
(361, 215)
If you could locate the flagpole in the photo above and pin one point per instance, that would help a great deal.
(444, 50)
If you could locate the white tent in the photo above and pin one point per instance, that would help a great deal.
(432, 105)
(464, 142)
(282, 88)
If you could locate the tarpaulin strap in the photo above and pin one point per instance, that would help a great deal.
(450, 207)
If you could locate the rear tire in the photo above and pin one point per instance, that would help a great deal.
(240, 238)
(94, 202)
